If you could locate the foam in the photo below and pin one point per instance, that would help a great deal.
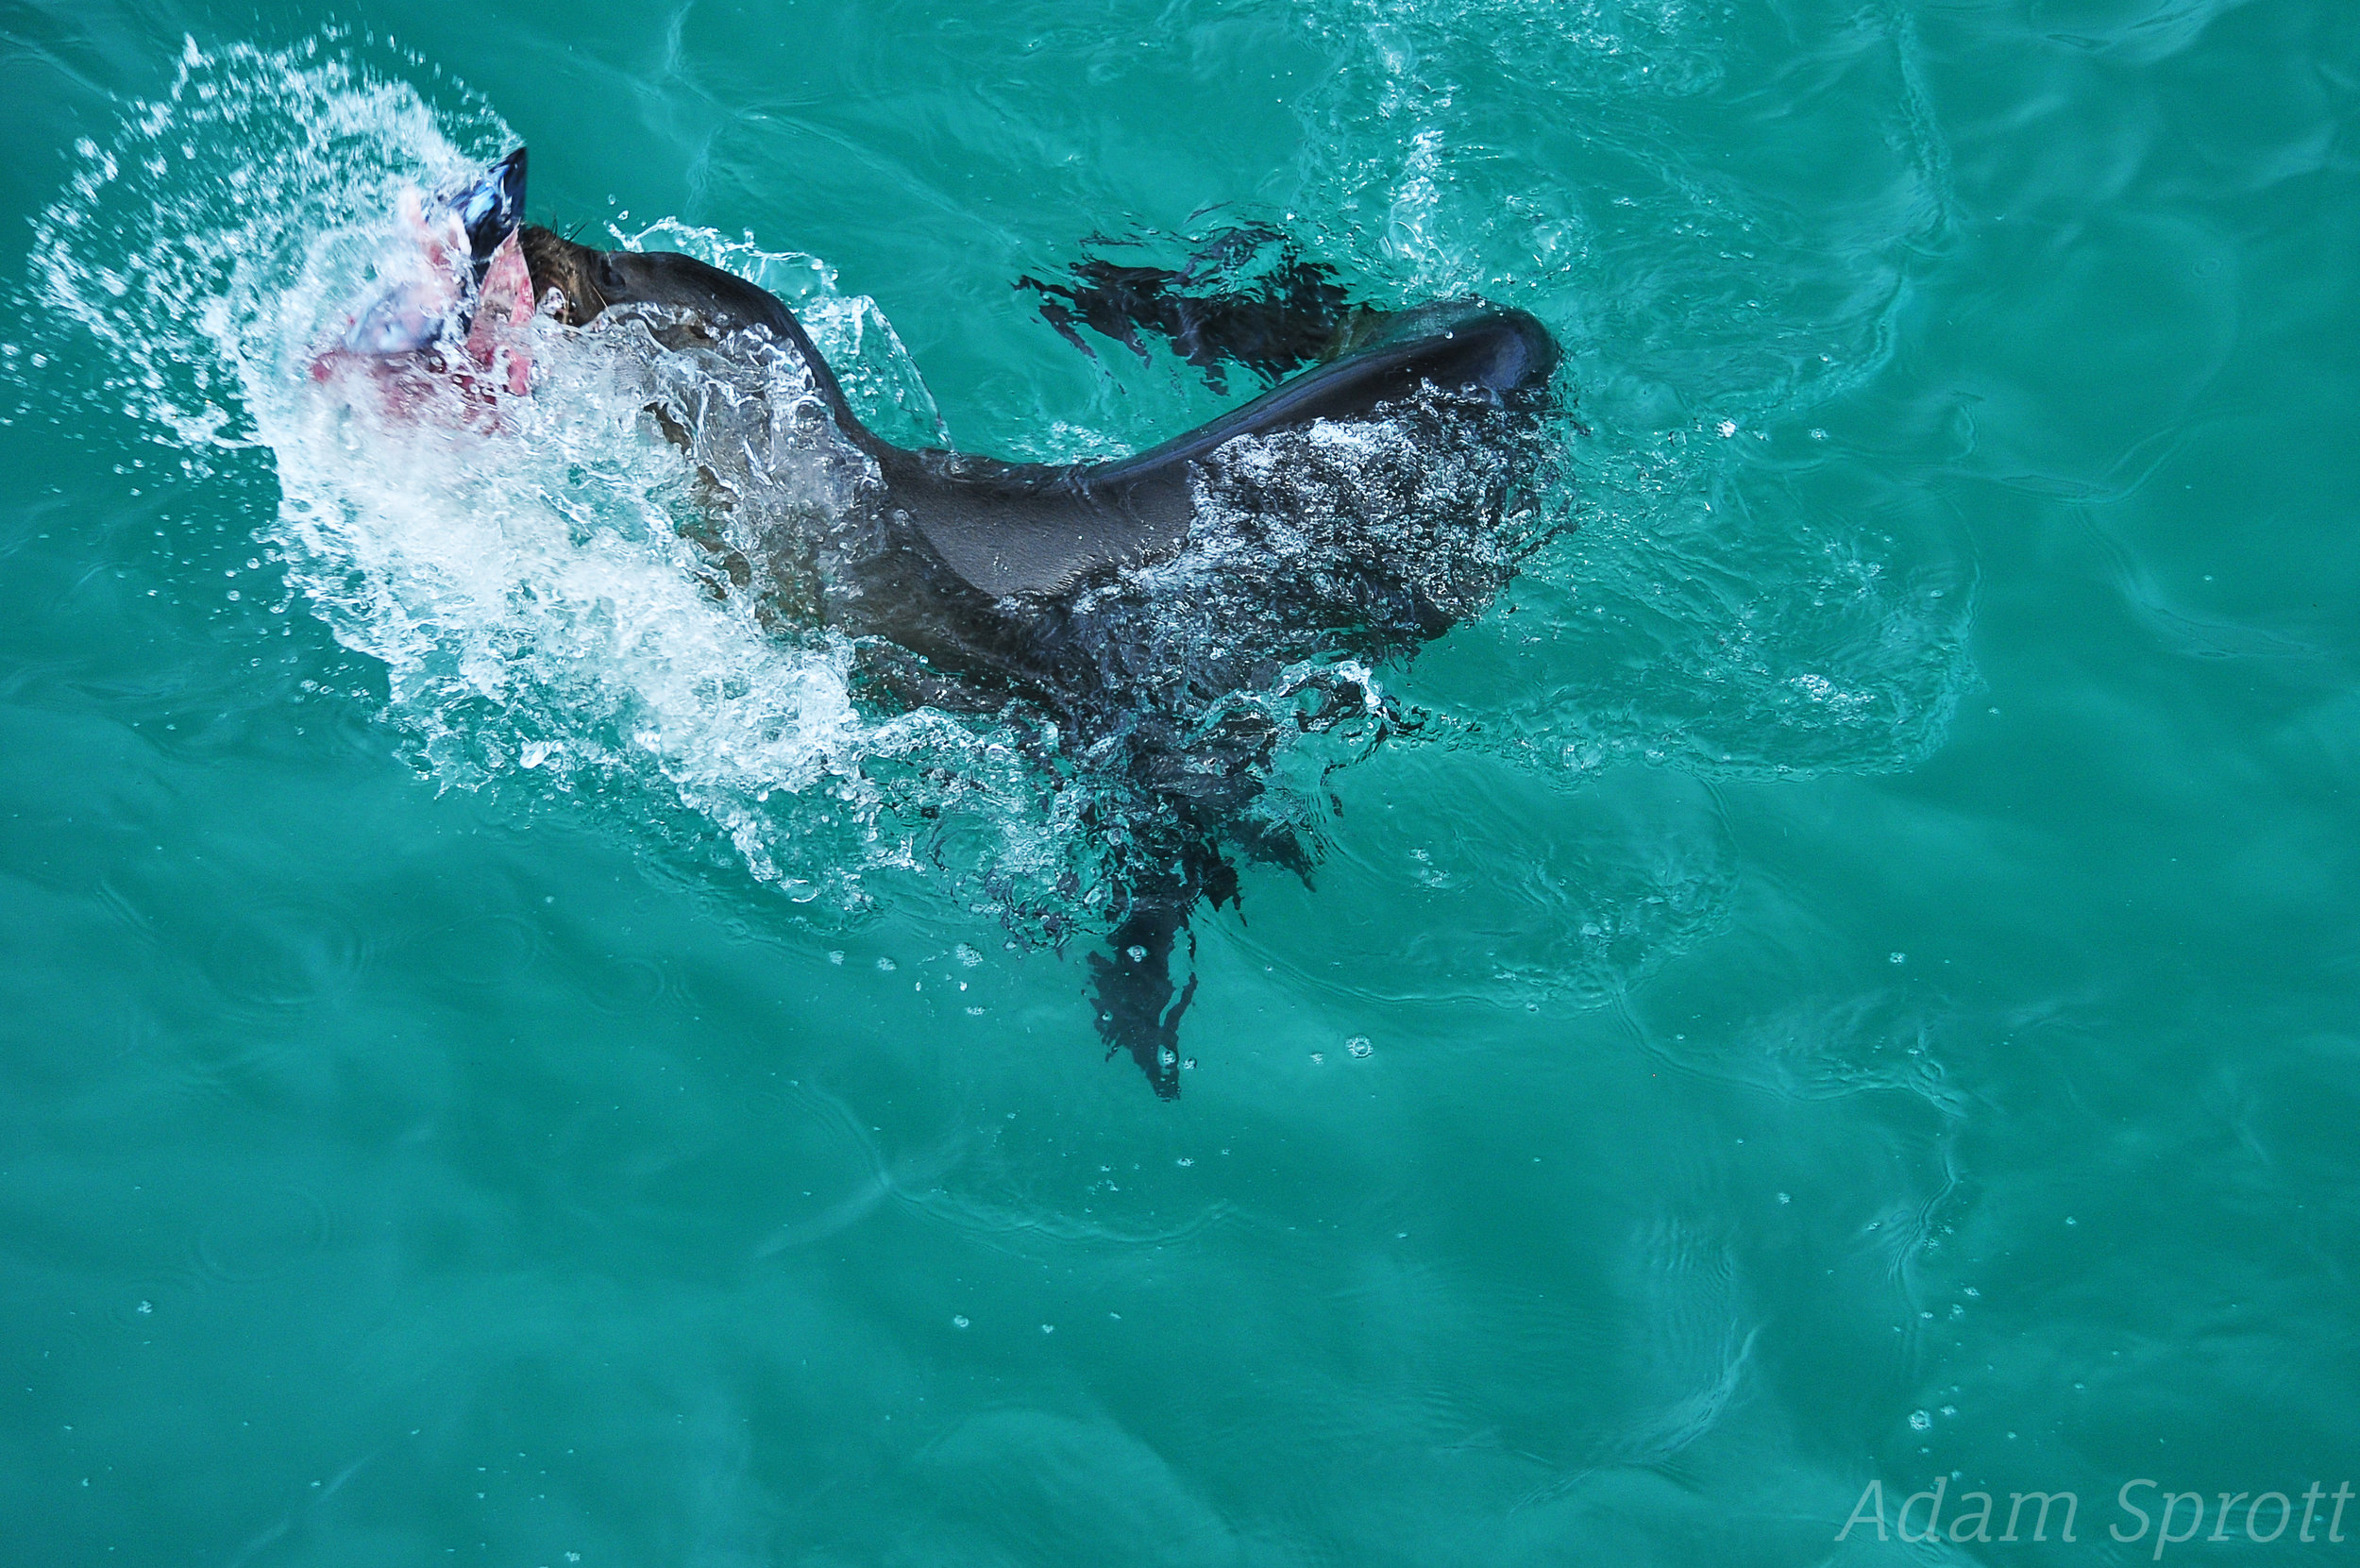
(522, 577)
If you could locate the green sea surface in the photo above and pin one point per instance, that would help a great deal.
(1852, 989)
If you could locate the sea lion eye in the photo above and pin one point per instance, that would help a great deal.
(609, 275)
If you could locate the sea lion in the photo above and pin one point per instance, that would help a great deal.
(1357, 506)
(1007, 529)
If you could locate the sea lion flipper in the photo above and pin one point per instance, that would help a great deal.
(1131, 985)
(1245, 296)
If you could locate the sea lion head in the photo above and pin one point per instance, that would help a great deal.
(595, 282)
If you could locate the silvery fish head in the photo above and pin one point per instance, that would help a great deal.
(488, 208)
(432, 276)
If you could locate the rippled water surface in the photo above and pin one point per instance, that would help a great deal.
(1845, 971)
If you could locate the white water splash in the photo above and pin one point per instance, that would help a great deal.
(526, 587)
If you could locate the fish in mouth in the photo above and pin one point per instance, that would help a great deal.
(453, 294)
(1169, 620)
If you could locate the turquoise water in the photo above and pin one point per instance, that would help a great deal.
(1852, 981)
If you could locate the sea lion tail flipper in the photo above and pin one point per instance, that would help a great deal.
(1131, 985)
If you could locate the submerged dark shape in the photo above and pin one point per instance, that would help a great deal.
(1155, 615)
(1245, 296)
